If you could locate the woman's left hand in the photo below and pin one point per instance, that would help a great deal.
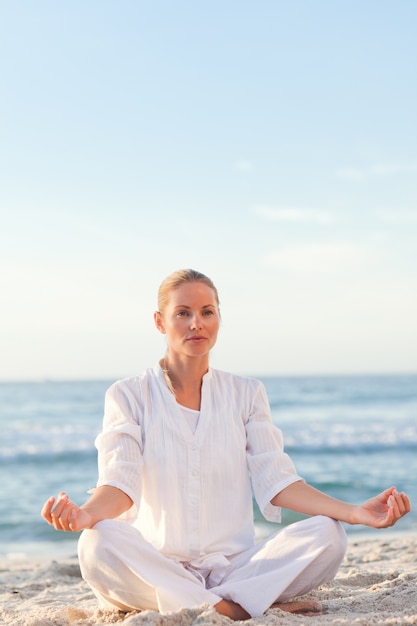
(384, 510)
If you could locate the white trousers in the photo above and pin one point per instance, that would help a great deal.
(128, 573)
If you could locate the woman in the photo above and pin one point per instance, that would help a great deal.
(183, 447)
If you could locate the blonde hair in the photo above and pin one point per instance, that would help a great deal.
(178, 278)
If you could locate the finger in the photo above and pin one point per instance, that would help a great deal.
(62, 521)
(384, 495)
(59, 503)
(73, 519)
(400, 503)
(57, 510)
(62, 496)
(404, 504)
(46, 510)
(64, 516)
(393, 512)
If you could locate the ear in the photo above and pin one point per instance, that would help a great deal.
(158, 322)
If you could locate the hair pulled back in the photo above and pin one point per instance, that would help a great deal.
(178, 278)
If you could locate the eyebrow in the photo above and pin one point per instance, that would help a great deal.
(185, 306)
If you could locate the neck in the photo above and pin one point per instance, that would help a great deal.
(184, 377)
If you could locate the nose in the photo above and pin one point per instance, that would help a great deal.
(196, 322)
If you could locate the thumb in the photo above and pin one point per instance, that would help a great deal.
(73, 519)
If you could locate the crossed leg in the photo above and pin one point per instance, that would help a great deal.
(126, 572)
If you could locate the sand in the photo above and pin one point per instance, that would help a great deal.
(376, 584)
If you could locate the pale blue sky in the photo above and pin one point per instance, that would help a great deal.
(271, 145)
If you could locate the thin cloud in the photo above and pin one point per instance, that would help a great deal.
(350, 173)
(388, 169)
(243, 165)
(380, 169)
(294, 214)
(318, 258)
(398, 217)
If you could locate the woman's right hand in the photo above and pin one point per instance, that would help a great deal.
(63, 514)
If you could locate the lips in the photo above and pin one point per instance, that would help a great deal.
(196, 339)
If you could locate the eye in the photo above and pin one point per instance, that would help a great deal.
(182, 313)
(208, 312)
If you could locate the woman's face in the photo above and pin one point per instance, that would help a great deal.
(191, 319)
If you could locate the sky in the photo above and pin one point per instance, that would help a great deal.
(270, 145)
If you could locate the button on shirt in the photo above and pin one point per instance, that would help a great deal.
(192, 492)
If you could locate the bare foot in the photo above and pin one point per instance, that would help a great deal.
(232, 610)
(306, 607)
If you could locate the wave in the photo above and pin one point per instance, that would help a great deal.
(21, 441)
(354, 448)
(323, 435)
(348, 391)
(293, 446)
(42, 457)
(366, 435)
(33, 531)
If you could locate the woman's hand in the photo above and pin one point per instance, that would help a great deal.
(106, 502)
(63, 514)
(384, 510)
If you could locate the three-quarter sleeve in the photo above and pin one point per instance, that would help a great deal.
(119, 445)
(271, 469)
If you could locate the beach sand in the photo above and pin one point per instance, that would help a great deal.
(376, 584)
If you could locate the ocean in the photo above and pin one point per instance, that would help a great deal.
(351, 436)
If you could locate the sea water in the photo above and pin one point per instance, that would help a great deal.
(349, 436)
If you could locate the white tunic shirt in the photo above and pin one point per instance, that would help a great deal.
(192, 492)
